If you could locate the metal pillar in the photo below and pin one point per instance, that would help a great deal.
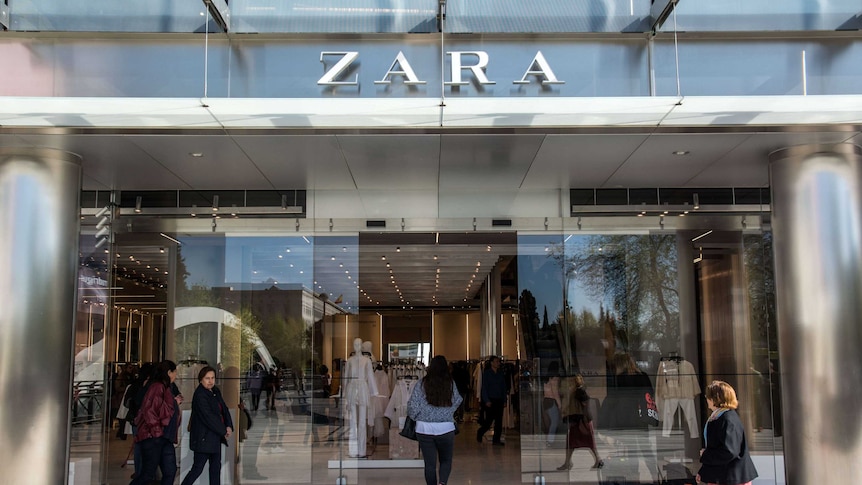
(817, 224)
(39, 225)
(491, 310)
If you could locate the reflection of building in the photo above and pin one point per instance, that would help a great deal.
(278, 312)
(195, 324)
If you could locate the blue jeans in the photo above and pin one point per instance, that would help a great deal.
(156, 453)
(434, 447)
(201, 460)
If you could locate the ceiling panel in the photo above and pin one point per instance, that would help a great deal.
(747, 164)
(392, 161)
(585, 161)
(114, 161)
(399, 270)
(489, 161)
(299, 161)
(654, 163)
(222, 164)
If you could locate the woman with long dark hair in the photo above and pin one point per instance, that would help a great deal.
(211, 427)
(432, 405)
(158, 421)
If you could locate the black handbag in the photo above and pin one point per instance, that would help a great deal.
(409, 429)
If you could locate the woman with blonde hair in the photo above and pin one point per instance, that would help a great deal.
(725, 459)
(580, 432)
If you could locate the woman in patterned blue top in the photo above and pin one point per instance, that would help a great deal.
(432, 405)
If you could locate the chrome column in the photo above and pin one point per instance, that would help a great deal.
(491, 309)
(39, 223)
(817, 223)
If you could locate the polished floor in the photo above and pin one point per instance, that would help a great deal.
(281, 448)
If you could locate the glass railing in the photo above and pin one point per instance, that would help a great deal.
(766, 15)
(421, 16)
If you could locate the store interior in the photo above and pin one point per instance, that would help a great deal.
(406, 297)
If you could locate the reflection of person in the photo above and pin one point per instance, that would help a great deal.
(551, 405)
(211, 427)
(158, 421)
(254, 381)
(576, 405)
(359, 386)
(272, 383)
(725, 459)
(250, 442)
(495, 388)
(432, 405)
(623, 416)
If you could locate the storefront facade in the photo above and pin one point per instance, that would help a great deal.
(256, 185)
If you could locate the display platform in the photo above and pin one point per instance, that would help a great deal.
(351, 463)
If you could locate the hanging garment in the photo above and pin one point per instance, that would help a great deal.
(676, 388)
(397, 407)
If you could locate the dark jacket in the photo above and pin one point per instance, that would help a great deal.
(157, 412)
(495, 386)
(622, 408)
(209, 422)
(725, 458)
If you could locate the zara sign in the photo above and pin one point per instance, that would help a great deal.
(473, 62)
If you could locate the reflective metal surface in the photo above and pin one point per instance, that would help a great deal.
(818, 254)
(39, 192)
(490, 306)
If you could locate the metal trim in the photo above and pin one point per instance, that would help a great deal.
(673, 210)
(4, 15)
(803, 150)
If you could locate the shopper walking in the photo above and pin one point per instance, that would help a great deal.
(551, 406)
(211, 427)
(158, 421)
(576, 405)
(495, 389)
(725, 459)
(432, 405)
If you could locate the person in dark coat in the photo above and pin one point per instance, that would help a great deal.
(725, 459)
(211, 427)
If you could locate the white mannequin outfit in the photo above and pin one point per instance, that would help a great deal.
(359, 386)
(676, 388)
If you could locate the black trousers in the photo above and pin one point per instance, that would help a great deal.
(200, 462)
(494, 414)
(436, 447)
(157, 453)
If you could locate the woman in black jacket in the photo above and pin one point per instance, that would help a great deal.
(211, 427)
(725, 459)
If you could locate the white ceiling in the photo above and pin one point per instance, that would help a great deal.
(387, 167)
(425, 162)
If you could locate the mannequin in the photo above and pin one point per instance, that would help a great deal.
(359, 385)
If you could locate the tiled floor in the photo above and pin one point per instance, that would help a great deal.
(286, 454)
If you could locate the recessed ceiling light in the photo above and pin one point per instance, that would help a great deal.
(196, 154)
(681, 152)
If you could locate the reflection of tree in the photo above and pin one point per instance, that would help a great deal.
(288, 340)
(637, 277)
(529, 318)
(761, 288)
(238, 344)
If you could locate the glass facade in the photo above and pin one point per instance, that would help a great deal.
(608, 332)
(615, 313)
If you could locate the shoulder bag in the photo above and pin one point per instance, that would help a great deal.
(409, 429)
